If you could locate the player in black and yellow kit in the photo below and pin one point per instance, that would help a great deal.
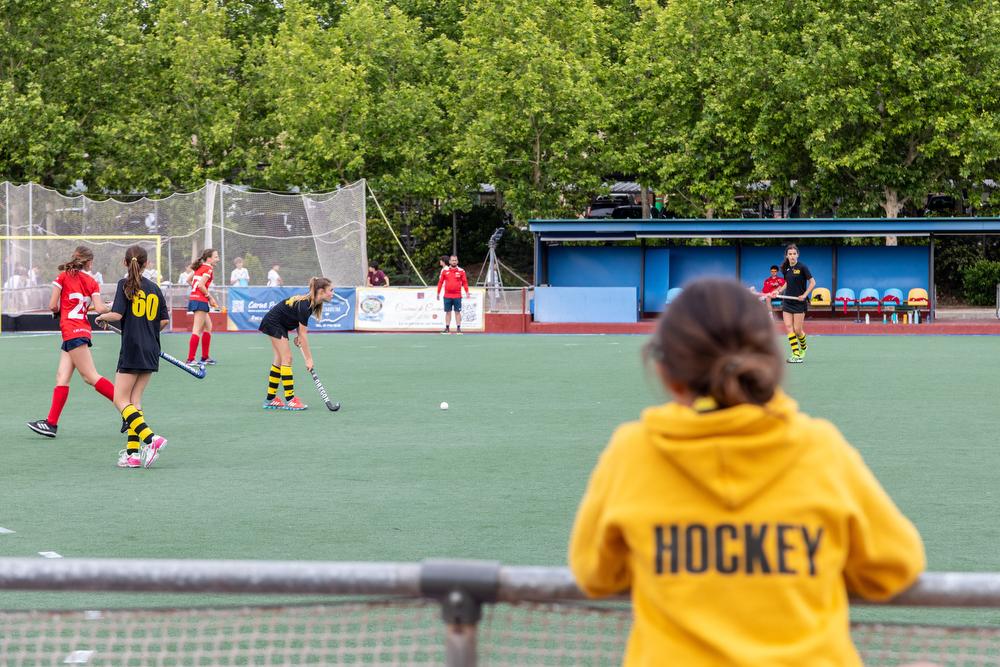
(140, 307)
(799, 283)
(292, 313)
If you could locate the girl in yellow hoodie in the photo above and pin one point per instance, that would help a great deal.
(740, 524)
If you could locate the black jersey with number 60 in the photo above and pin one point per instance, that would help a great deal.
(141, 317)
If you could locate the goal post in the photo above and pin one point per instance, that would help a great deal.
(300, 235)
(21, 255)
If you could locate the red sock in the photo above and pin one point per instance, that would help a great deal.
(192, 347)
(206, 340)
(105, 389)
(59, 396)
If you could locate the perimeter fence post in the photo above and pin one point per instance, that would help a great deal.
(461, 586)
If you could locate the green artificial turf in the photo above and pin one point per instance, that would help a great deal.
(391, 477)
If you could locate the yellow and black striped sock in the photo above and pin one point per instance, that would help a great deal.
(132, 448)
(286, 379)
(273, 379)
(137, 423)
(793, 341)
(802, 342)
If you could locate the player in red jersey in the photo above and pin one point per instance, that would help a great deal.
(453, 280)
(73, 293)
(772, 284)
(198, 304)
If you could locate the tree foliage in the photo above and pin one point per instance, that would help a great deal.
(527, 106)
(856, 106)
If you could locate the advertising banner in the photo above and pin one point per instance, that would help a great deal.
(399, 309)
(248, 305)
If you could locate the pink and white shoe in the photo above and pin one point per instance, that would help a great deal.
(149, 453)
(295, 404)
(126, 460)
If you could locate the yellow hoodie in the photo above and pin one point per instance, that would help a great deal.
(740, 532)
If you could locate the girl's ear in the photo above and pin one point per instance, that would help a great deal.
(680, 393)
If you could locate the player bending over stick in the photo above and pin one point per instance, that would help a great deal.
(292, 313)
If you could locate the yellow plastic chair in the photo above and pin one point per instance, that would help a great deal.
(820, 297)
(917, 297)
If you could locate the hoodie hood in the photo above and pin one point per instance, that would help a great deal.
(733, 453)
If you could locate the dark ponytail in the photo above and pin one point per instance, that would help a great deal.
(135, 260)
(785, 264)
(201, 260)
(79, 260)
(717, 340)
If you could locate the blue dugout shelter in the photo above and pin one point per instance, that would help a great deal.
(609, 280)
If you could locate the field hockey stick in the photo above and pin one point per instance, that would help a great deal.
(768, 295)
(197, 372)
(331, 406)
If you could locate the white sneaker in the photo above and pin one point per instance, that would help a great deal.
(126, 460)
(149, 453)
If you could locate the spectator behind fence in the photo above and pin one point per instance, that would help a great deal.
(240, 276)
(151, 274)
(18, 279)
(376, 276)
(273, 277)
(739, 523)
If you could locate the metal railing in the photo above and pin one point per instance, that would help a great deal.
(382, 613)
(508, 300)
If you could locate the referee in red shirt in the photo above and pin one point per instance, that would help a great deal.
(453, 280)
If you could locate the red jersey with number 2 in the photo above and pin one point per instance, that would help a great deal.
(76, 292)
(202, 274)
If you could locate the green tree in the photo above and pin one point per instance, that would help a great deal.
(62, 67)
(178, 119)
(401, 139)
(440, 17)
(360, 98)
(526, 103)
(681, 123)
(311, 133)
(893, 98)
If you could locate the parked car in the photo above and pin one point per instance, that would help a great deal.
(632, 212)
(604, 205)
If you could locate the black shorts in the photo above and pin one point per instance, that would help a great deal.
(136, 371)
(794, 306)
(195, 306)
(273, 330)
(74, 343)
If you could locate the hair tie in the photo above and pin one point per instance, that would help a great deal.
(134, 259)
